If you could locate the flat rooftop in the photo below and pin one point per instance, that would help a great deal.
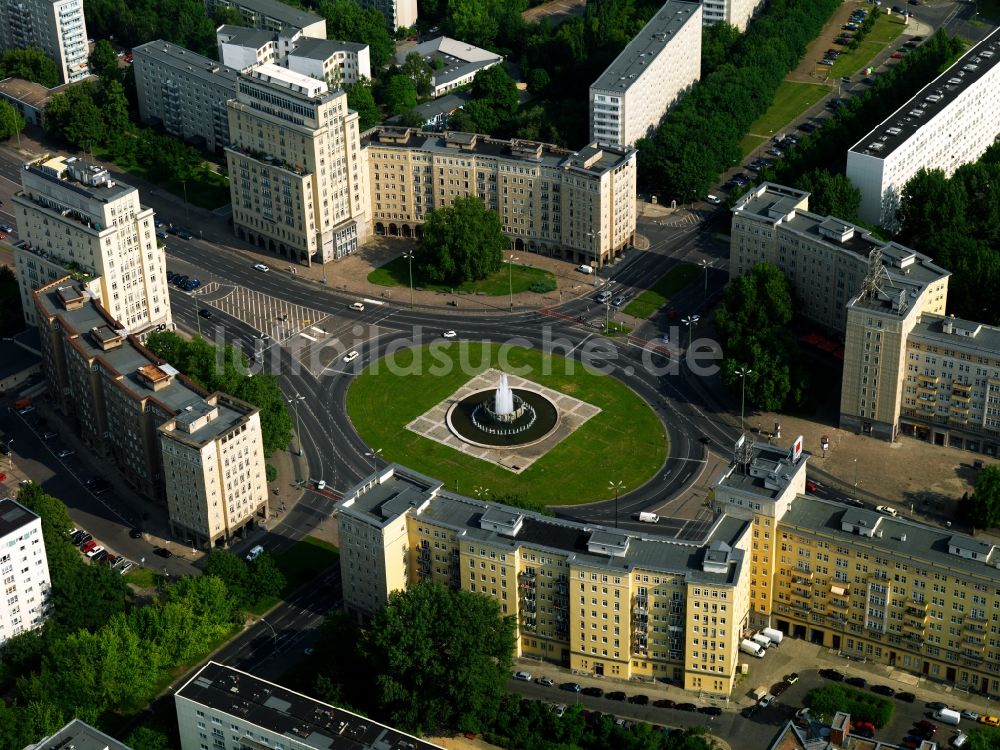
(401, 490)
(56, 170)
(593, 159)
(286, 14)
(293, 82)
(13, 516)
(768, 474)
(962, 334)
(646, 46)
(459, 58)
(15, 358)
(284, 712)
(242, 36)
(78, 735)
(323, 49)
(191, 64)
(932, 99)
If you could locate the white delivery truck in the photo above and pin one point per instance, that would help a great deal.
(759, 693)
(762, 640)
(774, 635)
(948, 716)
(649, 518)
(754, 649)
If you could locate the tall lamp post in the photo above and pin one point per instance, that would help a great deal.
(373, 455)
(294, 401)
(742, 372)
(705, 263)
(597, 248)
(510, 278)
(690, 321)
(409, 257)
(617, 487)
(10, 455)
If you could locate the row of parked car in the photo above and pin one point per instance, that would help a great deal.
(97, 553)
(183, 282)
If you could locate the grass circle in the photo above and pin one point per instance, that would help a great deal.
(625, 442)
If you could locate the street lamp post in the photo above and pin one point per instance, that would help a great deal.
(742, 372)
(373, 455)
(409, 257)
(617, 487)
(705, 263)
(294, 401)
(597, 247)
(510, 278)
(691, 321)
(10, 455)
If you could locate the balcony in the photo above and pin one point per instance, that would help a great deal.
(800, 578)
(914, 625)
(925, 379)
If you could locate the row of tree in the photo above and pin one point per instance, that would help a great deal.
(723, 105)
(981, 509)
(183, 22)
(30, 64)
(226, 369)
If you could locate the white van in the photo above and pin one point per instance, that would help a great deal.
(255, 553)
(761, 640)
(649, 518)
(585, 269)
(948, 716)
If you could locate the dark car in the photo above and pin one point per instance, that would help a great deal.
(686, 707)
(205, 313)
(639, 700)
(181, 280)
(163, 552)
(912, 742)
(100, 485)
(710, 710)
(594, 692)
(664, 703)
(185, 234)
(749, 711)
(573, 687)
(906, 697)
(779, 687)
(832, 674)
(885, 690)
(858, 682)
(83, 540)
(77, 538)
(616, 695)
(807, 127)
(926, 726)
(135, 533)
(937, 706)
(100, 556)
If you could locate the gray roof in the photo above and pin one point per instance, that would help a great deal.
(303, 720)
(286, 14)
(242, 36)
(924, 546)
(767, 475)
(78, 735)
(460, 58)
(399, 490)
(13, 516)
(190, 64)
(966, 335)
(646, 45)
(323, 49)
(932, 99)
(443, 105)
(15, 358)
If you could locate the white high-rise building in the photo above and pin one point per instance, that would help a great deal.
(398, 13)
(74, 218)
(56, 27)
(662, 62)
(950, 122)
(24, 568)
(734, 12)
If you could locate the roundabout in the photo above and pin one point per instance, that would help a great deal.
(502, 421)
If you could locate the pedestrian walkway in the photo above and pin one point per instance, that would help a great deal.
(278, 318)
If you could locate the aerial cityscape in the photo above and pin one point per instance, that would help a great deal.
(477, 374)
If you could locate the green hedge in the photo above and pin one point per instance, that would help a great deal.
(862, 706)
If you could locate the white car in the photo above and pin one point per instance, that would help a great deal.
(522, 676)
(766, 701)
(94, 551)
(886, 510)
(449, 334)
(546, 681)
(255, 553)
(65, 453)
(967, 714)
(358, 306)
(559, 710)
(351, 356)
(261, 267)
(713, 199)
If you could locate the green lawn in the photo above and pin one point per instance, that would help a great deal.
(208, 189)
(306, 559)
(626, 435)
(397, 273)
(790, 100)
(886, 29)
(144, 578)
(657, 295)
(748, 143)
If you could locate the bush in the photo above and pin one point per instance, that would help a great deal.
(270, 472)
(541, 287)
(861, 705)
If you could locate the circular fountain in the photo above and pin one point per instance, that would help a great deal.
(503, 418)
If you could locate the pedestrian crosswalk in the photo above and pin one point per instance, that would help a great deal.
(684, 219)
(278, 318)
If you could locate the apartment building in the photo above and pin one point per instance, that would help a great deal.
(273, 15)
(951, 385)
(241, 48)
(595, 599)
(654, 70)
(950, 122)
(454, 63)
(200, 453)
(80, 736)
(184, 92)
(56, 27)
(74, 218)
(734, 12)
(24, 568)
(398, 13)
(578, 205)
(297, 173)
(228, 709)
(338, 63)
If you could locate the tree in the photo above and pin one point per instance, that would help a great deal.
(11, 122)
(31, 64)
(538, 80)
(831, 194)
(104, 62)
(472, 21)
(460, 242)
(74, 116)
(120, 132)
(264, 579)
(231, 570)
(347, 20)
(717, 44)
(418, 71)
(982, 508)
(399, 94)
(361, 100)
(441, 657)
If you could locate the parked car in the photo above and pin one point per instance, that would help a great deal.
(546, 681)
(906, 697)
(65, 453)
(925, 725)
(618, 301)
(615, 695)
(810, 486)
(886, 510)
(969, 714)
(184, 234)
(792, 678)
(937, 706)
(780, 687)
(990, 721)
(664, 703)
(573, 687)
(163, 552)
(135, 533)
(101, 556)
(858, 682)
(593, 692)
(686, 707)
(832, 674)
(896, 55)
(85, 540)
(766, 701)
(639, 700)
(714, 199)
(885, 690)
(807, 127)
(126, 568)
(94, 550)
(710, 710)
(522, 676)
(49, 435)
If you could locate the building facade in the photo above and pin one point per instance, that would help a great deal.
(273, 15)
(575, 205)
(454, 63)
(24, 568)
(184, 92)
(56, 27)
(297, 172)
(228, 709)
(74, 218)
(661, 62)
(398, 14)
(597, 600)
(340, 64)
(734, 12)
(80, 736)
(154, 423)
(950, 122)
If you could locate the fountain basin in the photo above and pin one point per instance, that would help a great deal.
(474, 420)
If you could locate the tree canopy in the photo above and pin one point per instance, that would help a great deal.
(183, 22)
(460, 242)
(982, 508)
(399, 94)
(362, 101)
(30, 64)
(441, 657)
(347, 20)
(831, 194)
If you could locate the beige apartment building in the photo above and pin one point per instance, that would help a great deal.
(654, 70)
(578, 205)
(74, 218)
(629, 604)
(154, 423)
(296, 168)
